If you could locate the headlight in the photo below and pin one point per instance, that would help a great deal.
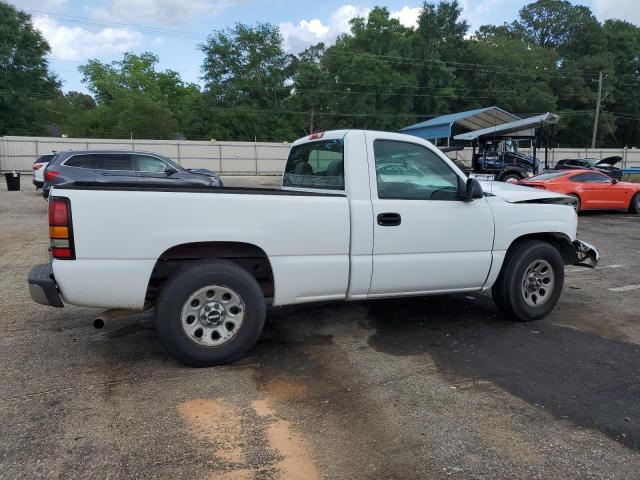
(529, 174)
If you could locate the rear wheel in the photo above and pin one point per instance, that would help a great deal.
(210, 313)
(634, 205)
(530, 282)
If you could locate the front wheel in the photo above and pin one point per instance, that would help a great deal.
(530, 282)
(210, 313)
(576, 202)
(634, 205)
(511, 178)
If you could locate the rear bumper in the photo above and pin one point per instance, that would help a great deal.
(38, 183)
(586, 254)
(42, 286)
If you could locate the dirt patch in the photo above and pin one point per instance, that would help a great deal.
(218, 423)
(222, 424)
(296, 460)
(282, 389)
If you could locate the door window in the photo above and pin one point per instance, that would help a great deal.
(121, 162)
(146, 163)
(80, 161)
(591, 177)
(413, 172)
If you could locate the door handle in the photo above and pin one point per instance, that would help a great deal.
(389, 219)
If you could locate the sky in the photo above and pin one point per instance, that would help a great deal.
(78, 30)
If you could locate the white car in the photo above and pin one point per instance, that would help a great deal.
(210, 260)
(39, 167)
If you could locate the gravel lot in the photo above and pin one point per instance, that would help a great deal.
(434, 387)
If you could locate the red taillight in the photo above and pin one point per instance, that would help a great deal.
(316, 136)
(50, 175)
(37, 166)
(60, 228)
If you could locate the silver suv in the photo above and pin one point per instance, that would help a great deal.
(122, 167)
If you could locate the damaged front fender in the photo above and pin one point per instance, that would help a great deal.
(586, 254)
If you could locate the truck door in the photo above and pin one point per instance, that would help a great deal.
(425, 238)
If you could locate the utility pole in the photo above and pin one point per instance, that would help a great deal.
(595, 122)
(311, 114)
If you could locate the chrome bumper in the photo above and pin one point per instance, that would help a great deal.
(586, 254)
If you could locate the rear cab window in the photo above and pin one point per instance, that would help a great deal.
(316, 164)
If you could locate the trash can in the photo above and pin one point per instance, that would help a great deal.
(13, 181)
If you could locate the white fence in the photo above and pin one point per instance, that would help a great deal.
(240, 158)
(229, 158)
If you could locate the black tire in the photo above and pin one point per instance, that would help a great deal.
(577, 205)
(634, 205)
(180, 287)
(508, 289)
(511, 176)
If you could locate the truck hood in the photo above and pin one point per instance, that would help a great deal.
(512, 193)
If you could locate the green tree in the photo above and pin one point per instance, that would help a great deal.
(368, 76)
(438, 44)
(245, 70)
(133, 98)
(25, 80)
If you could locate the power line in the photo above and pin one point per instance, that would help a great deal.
(474, 67)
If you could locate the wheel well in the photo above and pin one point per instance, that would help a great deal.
(559, 240)
(250, 257)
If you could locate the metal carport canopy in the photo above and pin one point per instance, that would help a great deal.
(523, 127)
(440, 127)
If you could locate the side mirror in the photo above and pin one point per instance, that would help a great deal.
(169, 171)
(614, 180)
(472, 190)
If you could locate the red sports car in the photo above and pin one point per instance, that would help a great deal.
(592, 190)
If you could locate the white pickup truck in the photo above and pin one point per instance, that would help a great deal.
(360, 215)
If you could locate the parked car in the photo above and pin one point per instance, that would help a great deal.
(211, 259)
(592, 190)
(606, 165)
(38, 169)
(123, 167)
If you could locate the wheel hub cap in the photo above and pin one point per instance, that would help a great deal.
(538, 283)
(212, 315)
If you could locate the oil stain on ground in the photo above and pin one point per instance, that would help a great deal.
(590, 380)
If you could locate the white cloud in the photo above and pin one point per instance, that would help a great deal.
(628, 10)
(299, 36)
(408, 16)
(164, 12)
(478, 13)
(76, 43)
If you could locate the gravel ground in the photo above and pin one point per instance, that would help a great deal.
(434, 387)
